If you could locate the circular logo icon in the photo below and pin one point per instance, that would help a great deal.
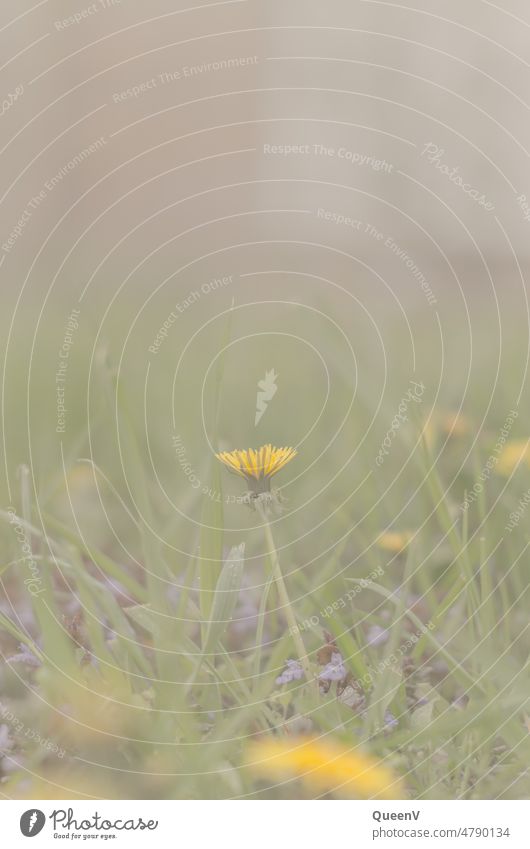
(32, 822)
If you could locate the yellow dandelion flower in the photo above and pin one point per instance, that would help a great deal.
(515, 452)
(394, 542)
(257, 465)
(325, 765)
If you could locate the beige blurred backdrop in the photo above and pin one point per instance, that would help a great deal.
(299, 149)
(380, 79)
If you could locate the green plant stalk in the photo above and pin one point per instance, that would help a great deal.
(486, 594)
(108, 566)
(11, 628)
(457, 668)
(472, 599)
(260, 629)
(212, 516)
(467, 580)
(210, 560)
(378, 702)
(283, 594)
(157, 574)
(439, 502)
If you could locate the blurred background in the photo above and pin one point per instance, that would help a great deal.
(197, 196)
(376, 146)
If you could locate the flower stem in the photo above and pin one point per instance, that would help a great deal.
(282, 592)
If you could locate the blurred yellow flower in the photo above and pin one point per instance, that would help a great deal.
(325, 765)
(394, 542)
(445, 422)
(258, 465)
(454, 424)
(514, 452)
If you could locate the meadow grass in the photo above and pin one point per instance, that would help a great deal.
(144, 665)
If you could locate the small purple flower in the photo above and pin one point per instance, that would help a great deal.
(334, 670)
(26, 656)
(376, 636)
(390, 721)
(292, 672)
(6, 743)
